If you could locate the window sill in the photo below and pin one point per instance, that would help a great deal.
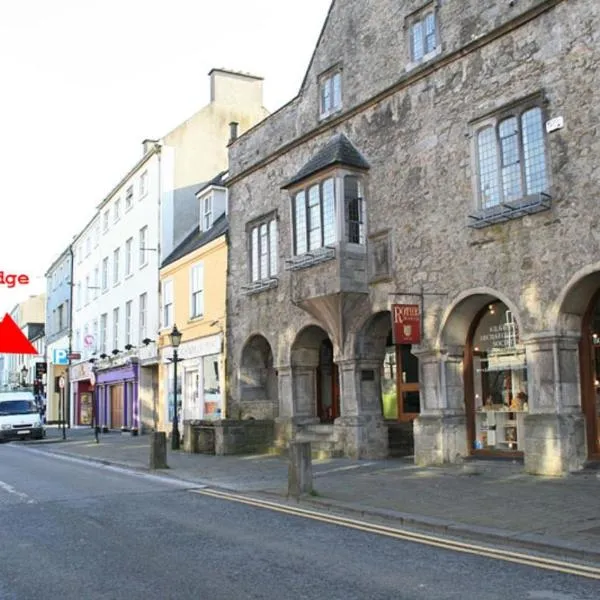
(419, 63)
(509, 211)
(144, 265)
(334, 113)
(256, 287)
(129, 276)
(195, 319)
(304, 261)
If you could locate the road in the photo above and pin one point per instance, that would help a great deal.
(87, 532)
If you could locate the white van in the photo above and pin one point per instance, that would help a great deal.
(20, 416)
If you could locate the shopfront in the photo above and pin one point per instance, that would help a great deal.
(199, 379)
(495, 383)
(118, 400)
(81, 391)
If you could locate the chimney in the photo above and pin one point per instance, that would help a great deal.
(147, 145)
(233, 131)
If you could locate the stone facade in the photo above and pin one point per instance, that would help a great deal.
(430, 236)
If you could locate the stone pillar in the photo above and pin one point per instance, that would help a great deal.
(158, 450)
(554, 436)
(440, 431)
(361, 430)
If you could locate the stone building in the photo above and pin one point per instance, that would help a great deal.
(440, 160)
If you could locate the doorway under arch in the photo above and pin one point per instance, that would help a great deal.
(258, 385)
(316, 375)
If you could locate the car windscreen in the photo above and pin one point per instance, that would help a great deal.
(17, 407)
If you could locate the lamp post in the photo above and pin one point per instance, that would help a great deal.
(24, 372)
(175, 336)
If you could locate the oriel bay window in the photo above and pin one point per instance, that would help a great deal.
(263, 248)
(328, 211)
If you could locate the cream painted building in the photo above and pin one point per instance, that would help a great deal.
(193, 282)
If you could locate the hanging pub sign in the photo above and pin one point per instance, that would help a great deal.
(406, 323)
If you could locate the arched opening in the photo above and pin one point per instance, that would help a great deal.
(258, 380)
(495, 382)
(316, 375)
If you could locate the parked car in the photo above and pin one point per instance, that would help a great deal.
(20, 416)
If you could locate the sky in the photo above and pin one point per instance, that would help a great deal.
(82, 83)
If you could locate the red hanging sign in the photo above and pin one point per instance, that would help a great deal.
(406, 323)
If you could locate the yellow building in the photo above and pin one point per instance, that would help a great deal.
(193, 297)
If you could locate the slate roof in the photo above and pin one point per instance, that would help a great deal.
(219, 180)
(338, 151)
(196, 239)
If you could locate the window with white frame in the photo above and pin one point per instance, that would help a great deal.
(143, 184)
(354, 210)
(510, 150)
(117, 210)
(96, 235)
(103, 332)
(423, 33)
(197, 291)
(115, 328)
(78, 339)
(87, 289)
(207, 212)
(79, 295)
(128, 257)
(96, 281)
(86, 332)
(167, 303)
(88, 244)
(105, 220)
(116, 257)
(95, 334)
(105, 273)
(128, 316)
(143, 238)
(142, 317)
(330, 93)
(263, 248)
(129, 196)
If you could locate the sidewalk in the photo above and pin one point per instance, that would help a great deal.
(485, 500)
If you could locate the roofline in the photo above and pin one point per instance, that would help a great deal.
(62, 255)
(155, 150)
(191, 252)
(330, 167)
(209, 188)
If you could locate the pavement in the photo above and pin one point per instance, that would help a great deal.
(492, 501)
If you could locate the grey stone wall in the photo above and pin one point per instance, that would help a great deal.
(418, 143)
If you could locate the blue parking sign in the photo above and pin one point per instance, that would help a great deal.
(60, 357)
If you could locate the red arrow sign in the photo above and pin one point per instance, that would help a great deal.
(12, 339)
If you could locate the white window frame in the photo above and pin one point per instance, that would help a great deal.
(143, 316)
(117, 210)
(103, 332)
(129, 197)
(143, 184)
(105, 273)
(197, 291)
(265, 226)
(143, 239)
(116, 261)
(96, 281)
(106, 220)
(87, 290)
(416, 26)
(167, 320)
(128, 321)
(129, 257)
(115, 336)
(207, 212)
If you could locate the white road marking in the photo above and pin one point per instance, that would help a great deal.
(338, 469)
(11, 490)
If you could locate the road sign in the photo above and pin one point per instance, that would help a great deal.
(12, 339)
(60, 356)
(61, 382)
(74, 356)
(40, 369)
(88, 341)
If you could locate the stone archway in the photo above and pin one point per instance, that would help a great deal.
(315, 377)
(577, 315)
(258, 386)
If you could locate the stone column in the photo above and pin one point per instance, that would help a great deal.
(440, 431)
(554, 436)
(361, 430)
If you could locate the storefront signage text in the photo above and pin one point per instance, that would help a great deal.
(406, 323)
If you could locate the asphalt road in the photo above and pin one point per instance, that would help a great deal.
(73, 531)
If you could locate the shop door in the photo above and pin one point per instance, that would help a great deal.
(328, 388)
(589, 351)
(116, 406)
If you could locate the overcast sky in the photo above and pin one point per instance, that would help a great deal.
(82, 83)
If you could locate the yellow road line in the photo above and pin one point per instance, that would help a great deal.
(490, 552)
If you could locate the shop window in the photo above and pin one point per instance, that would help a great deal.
(212, 386)
(499, 388)
(400, 383)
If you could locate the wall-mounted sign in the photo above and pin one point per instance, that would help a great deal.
(554, 124)
(60, 357)
(88, 341)
(406, 323)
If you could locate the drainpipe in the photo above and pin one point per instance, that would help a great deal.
(155, 402)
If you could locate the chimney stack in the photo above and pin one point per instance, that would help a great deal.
(233, 131)
(147, 145)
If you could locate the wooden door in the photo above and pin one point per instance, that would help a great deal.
(589, 357)
(116, 406)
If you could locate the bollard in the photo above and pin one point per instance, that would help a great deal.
(300, 469)
(158, 450)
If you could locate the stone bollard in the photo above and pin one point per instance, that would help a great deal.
(158, 450)
(300, 469)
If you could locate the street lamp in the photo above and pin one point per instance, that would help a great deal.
(24, 372)
(175, 336)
